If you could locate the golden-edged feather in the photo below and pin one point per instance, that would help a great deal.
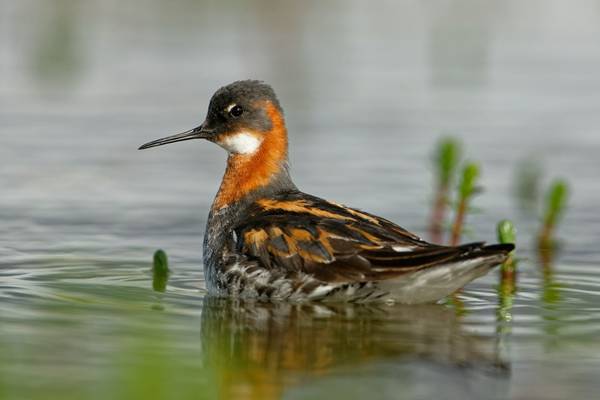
(334, 243)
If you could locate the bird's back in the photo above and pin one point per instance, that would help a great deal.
(296, 246)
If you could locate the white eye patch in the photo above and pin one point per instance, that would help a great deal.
(240, 143)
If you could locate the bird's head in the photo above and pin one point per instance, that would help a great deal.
(241, 117)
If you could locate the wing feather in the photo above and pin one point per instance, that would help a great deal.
(335, 243)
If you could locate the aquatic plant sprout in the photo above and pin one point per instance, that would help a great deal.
(507, 234)
(466, 189)
(446, 160)
(160, 271)
(556, 203)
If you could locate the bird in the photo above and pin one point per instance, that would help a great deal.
(266, 240)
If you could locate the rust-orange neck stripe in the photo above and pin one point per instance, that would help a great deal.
(248, 172)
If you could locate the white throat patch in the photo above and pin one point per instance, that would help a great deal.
(240, 143)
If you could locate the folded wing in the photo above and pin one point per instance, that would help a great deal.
(334, 243)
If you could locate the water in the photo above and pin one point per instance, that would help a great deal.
(368, 89)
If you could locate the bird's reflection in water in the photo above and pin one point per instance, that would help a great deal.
(258, 350)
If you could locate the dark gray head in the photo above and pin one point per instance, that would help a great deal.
(241, 105)
(239, 114)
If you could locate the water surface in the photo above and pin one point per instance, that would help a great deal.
(367, 90)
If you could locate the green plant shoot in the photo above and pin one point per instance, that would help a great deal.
(160, 271)
(469, 177)
(556, 202)
(507, 234)
(466, 189)
(446, 159)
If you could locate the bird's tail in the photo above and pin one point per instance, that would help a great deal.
(438, 281)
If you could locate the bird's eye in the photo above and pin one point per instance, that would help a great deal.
(236, 111)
